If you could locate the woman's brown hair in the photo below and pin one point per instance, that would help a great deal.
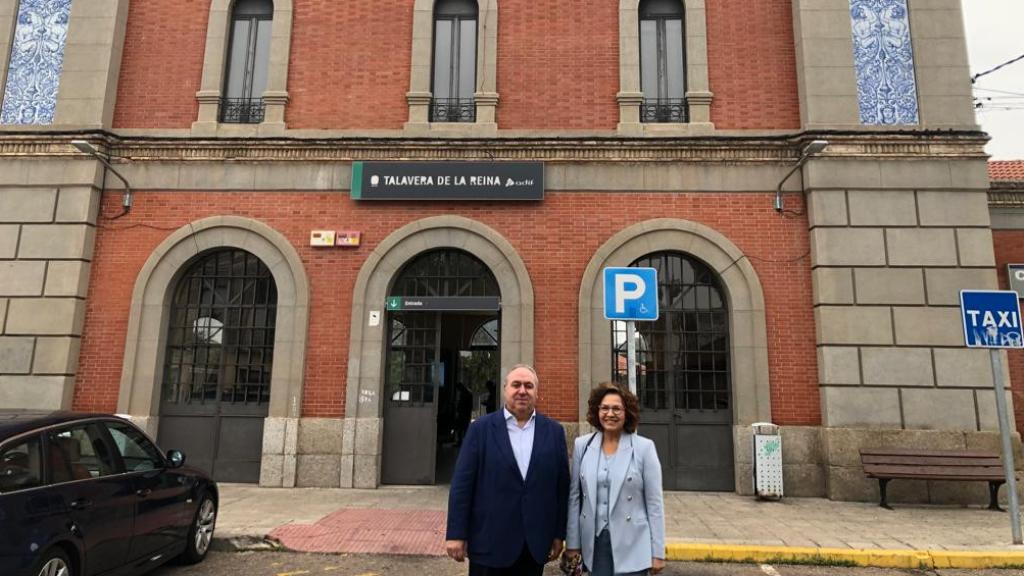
(629, 402)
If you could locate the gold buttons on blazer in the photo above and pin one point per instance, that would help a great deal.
(628, 518)
(629, 478)
(629, 497)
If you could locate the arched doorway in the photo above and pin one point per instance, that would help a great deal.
(442, 362)
(683, 374)
(215, 390)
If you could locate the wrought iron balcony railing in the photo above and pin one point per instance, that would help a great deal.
(664, 110)
(241, 110)
(453, 110)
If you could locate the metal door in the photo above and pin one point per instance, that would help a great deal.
(410, 404)
(683, 378)
(219, 358)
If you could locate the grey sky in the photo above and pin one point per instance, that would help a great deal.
(994, 36)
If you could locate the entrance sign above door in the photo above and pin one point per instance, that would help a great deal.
(447, 181)
(444, 304)
(991, 319)
(631, 293)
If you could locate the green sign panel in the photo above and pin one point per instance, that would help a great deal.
(395, 303)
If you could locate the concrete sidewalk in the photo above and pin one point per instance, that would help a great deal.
(699, 525)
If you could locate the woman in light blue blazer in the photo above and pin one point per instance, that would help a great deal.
(616, 511)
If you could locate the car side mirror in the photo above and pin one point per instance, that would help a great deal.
(175, 458)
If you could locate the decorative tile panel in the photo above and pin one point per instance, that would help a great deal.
(37, 58)
(884, 60)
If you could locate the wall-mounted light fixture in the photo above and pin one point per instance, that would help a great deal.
(814, 147)
(87, 148)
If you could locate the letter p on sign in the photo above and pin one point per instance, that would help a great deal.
(627, 287)
(631, 293)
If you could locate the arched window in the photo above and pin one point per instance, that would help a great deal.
(662, 61)
(454, 68)
(220, 343)
(445, 273)
(683, 356)
(248, 62)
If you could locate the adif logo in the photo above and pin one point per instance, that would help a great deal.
(374, 180)
(509, 183)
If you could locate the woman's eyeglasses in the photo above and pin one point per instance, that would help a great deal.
(610, 409)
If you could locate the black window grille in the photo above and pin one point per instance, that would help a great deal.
(683, 356)
(453, 110)
(241, 110)
(664, 110)
(662, 61)
(412, 358)
(445, 273)
(248, 62)
(220, 344)
(454, 78)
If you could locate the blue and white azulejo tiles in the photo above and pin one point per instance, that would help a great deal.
(37, 58)
(884, 60)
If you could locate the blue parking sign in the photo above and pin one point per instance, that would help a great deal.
(991, 319)
(631, 293)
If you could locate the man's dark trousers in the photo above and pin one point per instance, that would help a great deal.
(504, 518)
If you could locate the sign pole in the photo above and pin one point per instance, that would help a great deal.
(631, 354)
(1004, 434)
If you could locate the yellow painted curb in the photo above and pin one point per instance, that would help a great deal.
(878, 558)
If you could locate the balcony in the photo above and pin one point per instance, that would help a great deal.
(452, 110)
(241, 110)
(664, 110)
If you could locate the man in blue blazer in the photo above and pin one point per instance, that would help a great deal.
(509, 495)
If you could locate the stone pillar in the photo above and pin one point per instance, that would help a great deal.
(892, 244)
(419, 110)
(274, 103)
(92, 63)
(629, 113)
(47, 234)
(826, 74)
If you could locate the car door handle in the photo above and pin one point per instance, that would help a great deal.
(143, 492)
(81, 504)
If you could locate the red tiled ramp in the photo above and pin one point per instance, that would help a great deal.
(368, 531)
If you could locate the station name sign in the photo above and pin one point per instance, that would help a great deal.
(447, 181)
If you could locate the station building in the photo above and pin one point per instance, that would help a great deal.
(303, 240)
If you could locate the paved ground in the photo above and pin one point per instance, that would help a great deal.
(337, 520)
(290, 564)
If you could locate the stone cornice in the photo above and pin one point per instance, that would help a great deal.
(1006, 195)
(740, 149)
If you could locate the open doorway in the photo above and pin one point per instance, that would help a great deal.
(442, 363)
(469, 346)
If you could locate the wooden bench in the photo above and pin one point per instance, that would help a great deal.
(889, 464)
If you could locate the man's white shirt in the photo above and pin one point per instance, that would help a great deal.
(521, 439)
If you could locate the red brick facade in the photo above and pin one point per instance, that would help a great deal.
(558, 64)
(162, 64)
(555, 238)
(1009, 249)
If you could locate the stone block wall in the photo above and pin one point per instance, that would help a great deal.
(892, 245)
(46, 244)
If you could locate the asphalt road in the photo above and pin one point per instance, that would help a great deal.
(292, 564)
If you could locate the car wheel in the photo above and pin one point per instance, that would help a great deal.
(200, 535)
(54, 563)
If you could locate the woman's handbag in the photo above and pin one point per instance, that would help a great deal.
(571, 565)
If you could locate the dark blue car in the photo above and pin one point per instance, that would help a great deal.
(91, 494)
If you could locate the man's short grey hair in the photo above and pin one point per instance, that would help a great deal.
(504, 381)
